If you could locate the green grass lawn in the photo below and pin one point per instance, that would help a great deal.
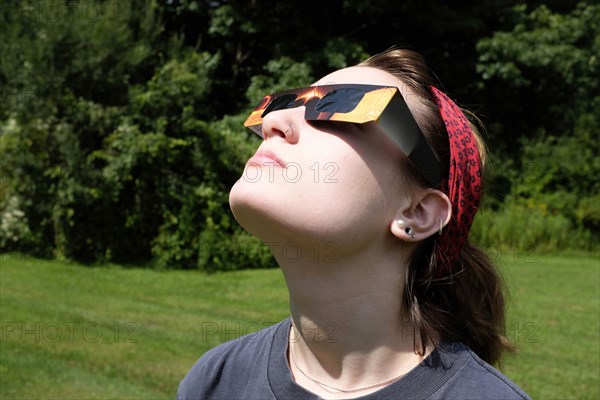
(75, 332)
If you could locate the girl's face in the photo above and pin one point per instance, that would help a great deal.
(327, 183)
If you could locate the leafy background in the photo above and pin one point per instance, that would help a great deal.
(121, 121)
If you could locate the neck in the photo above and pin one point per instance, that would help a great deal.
(349, 328)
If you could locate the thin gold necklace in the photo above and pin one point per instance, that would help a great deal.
(338, 390)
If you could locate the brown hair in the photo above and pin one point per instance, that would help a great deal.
(468, 305)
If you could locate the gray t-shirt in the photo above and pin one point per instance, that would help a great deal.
(255, 366)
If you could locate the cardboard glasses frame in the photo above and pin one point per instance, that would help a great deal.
(356, 103)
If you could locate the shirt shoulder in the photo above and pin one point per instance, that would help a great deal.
(230, 369)
(476, 379)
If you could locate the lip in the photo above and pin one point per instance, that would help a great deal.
(266, 157)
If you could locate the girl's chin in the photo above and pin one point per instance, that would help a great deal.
(252, 212)
(280, 216)
(246, 199)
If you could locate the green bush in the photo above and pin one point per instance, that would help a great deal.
(121, 133)
(529, 227)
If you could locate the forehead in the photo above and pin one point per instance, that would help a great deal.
(363, 75)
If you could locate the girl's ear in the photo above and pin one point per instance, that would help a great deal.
(426, 215)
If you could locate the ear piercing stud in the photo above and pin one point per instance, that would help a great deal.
(408, 230)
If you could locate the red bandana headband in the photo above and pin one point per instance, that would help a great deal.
(464, 181)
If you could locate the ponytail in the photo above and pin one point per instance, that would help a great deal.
(466, 306)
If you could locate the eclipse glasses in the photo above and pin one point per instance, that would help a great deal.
(355, 103)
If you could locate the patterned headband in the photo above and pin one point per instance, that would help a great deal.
(464, 182)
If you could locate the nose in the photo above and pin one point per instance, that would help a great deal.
(284, 123)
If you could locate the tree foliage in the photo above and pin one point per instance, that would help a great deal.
(543, 79)
(121, 122)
